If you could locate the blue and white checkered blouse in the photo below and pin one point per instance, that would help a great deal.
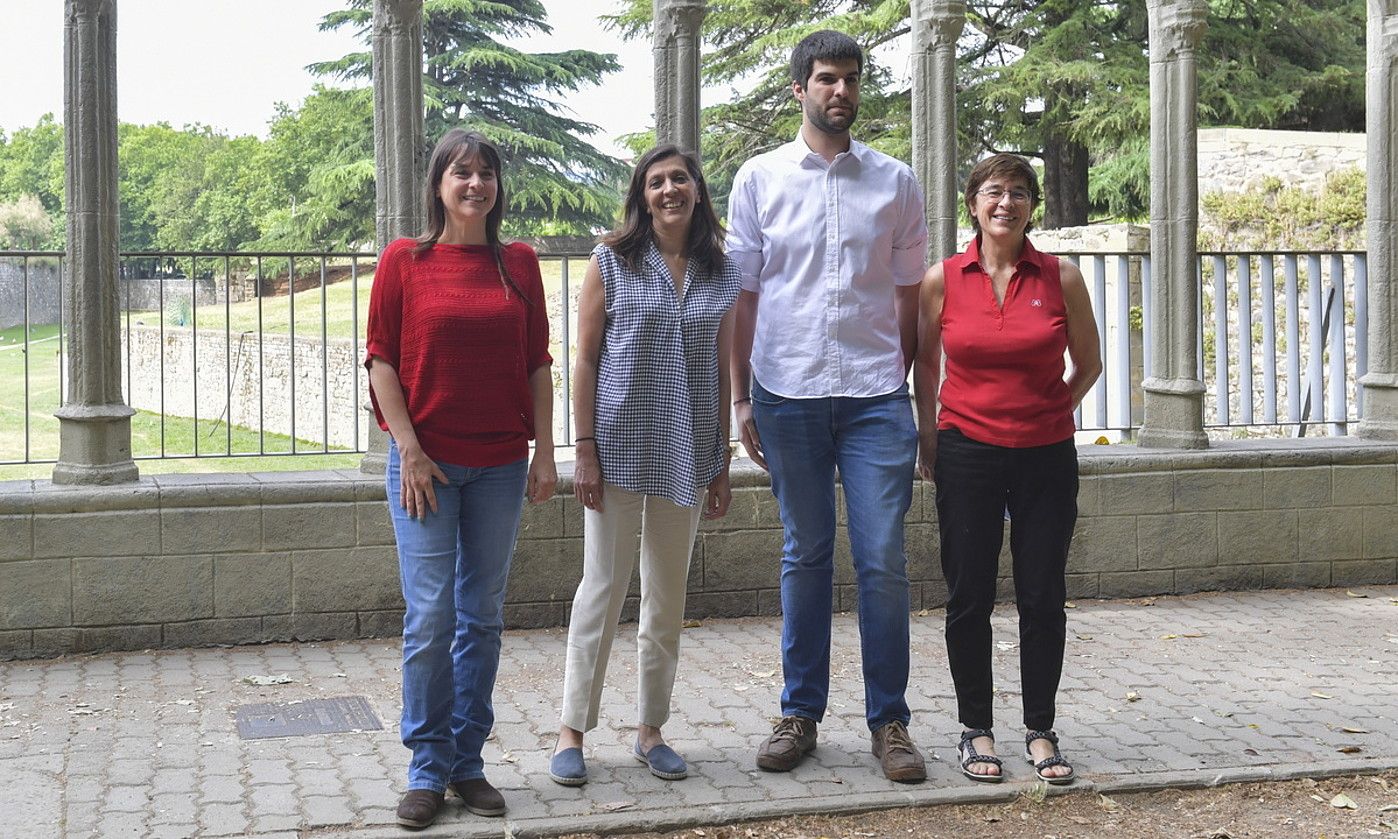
(657, 422)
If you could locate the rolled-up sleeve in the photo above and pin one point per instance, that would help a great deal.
(910, 237)
(385, 324)
(744, 240)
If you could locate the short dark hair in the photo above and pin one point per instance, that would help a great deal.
(1007, 166)
(630, 238)
(823, 45)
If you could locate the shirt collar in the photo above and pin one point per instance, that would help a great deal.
(798, 150)
(1029, 257)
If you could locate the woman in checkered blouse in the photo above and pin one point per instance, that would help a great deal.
(650, 397)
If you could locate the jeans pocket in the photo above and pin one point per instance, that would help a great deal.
(762, 396)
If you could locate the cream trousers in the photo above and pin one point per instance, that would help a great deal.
(609, 556)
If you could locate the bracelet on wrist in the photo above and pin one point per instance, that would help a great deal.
(592, 440)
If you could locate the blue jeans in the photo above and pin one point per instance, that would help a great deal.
(453, 565)
(873, 443)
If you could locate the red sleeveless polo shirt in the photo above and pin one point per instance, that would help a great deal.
(1004, 378)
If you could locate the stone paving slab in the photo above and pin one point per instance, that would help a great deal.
(1226, 687)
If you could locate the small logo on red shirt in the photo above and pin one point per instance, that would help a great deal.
(1036, 302)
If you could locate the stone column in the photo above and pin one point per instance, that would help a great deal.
(399, 147)
(94, 423)
(1174, 394)
(1380, 383)
(675, 39)
(936, 26)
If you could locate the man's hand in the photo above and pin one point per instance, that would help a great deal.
(747, 432)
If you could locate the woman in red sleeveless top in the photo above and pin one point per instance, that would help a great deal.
(1002, 445)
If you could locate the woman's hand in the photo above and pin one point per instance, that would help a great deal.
(587, 476)
(718, 496)
(417, 471)
(543, 476)
(926, 452)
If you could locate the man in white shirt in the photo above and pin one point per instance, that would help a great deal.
(831, 239)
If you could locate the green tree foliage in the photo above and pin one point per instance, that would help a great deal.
(1065, 81)
(31, 165)
(556, 180)
(24, 225)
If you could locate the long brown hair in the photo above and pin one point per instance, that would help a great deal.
(705, 240)
(460, 144)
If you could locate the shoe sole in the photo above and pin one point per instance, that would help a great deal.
(567, 782)
(907, 777)
(483, 811)
(415, 824)
(777, 765)
(664, 776)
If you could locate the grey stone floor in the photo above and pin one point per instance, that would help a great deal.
(1162, 691)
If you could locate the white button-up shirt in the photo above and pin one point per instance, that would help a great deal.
(824, 245)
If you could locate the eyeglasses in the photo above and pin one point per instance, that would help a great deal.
(995, 193)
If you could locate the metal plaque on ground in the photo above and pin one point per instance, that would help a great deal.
(335, 715)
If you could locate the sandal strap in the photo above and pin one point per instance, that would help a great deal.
(972, 733)
(1054, 760)
(973, 756)
(1049, 735)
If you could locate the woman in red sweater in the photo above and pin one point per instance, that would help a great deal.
(459, 374)
(1004, 314)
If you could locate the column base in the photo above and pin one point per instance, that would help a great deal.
(94, 445)
(375, 460)
(1380, 421)
(1174, 415)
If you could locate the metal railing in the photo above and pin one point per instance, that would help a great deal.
(260, 354)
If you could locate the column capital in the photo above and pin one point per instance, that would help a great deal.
(937, 23)
(1177, 23)
(675, 18)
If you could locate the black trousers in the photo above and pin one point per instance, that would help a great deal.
(976, 484)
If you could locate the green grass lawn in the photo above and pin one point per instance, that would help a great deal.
(273, 314)
(148, 439)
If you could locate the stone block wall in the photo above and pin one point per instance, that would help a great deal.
(1234, 159)
(38, 281)
(184, 560)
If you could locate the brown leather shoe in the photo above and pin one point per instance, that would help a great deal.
(900, 759)
(792, 739)
(480, 797)
(418, 808)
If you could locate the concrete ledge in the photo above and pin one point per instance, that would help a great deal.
(178, 560)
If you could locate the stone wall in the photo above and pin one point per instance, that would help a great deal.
(263, 373)
(42, 287)
(1234, 159)
(182, 560)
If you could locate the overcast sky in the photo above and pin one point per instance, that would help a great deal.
(225, 63)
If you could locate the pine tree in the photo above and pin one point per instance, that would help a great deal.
(557, 182)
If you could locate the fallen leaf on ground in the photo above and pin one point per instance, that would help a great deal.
(1106, 803)
(1252, 752)
(1388, 808)
(1193, 634)
(1343, 802)
(1349, 593)
(257, 679)
(766, 674)
(1084, 637)
(922, 613)
(1170, 637)
(1348, 750)
(1318, 798)
(614, 806)
(1132, 696)
(1074, 605)
(693, 624)
(1220, 834)
(1318, 695)
(1354, 729)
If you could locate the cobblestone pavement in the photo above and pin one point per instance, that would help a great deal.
(1160, 691)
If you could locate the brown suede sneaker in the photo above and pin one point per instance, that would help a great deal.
(418, 808)
(480, 797)
(792, 739)
(900, 759)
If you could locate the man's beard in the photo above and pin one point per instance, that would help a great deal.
(822, 121)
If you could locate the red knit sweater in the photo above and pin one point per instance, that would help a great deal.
(463, 347)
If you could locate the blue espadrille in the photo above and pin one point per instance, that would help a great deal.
(568, 768)
(663, 762)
